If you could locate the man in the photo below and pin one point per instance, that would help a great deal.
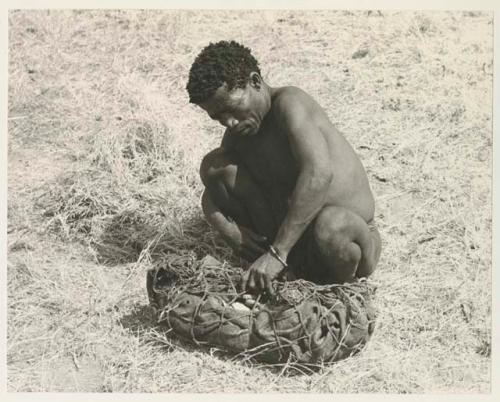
(284, 189)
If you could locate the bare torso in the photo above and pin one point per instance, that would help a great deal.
(269, 159)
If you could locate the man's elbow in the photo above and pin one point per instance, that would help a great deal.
(321, 178)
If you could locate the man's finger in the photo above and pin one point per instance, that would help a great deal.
(262, 283)
(243, 281)
(251, 281)
(269, 286)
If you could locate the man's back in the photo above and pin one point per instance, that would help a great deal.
(269, 157)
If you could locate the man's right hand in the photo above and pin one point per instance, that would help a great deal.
(246, 243)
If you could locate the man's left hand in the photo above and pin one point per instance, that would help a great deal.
(259, 276)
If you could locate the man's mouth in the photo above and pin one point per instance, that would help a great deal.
(245, 130)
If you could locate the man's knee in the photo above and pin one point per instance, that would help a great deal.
(334, 232)
(344, 240)
(332, 226)
(217, 166)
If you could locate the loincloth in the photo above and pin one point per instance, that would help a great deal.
(372, 225)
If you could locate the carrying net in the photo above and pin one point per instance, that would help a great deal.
(304, 323)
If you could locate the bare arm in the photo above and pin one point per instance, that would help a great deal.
(310, 150)
(241, 239)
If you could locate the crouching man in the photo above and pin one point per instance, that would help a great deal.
(284, 188)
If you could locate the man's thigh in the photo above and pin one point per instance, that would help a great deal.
(236, 193)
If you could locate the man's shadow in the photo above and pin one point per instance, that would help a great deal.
(128, 236)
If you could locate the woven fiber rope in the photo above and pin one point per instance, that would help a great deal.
(304, 323)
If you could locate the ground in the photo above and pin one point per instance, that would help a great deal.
(103, 159)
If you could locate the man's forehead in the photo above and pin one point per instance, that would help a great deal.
(222, 97)
(222, 93)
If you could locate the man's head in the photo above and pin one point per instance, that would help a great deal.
(225, 81)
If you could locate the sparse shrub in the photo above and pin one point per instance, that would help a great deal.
(142, 151)
(76, 200)
(122, 219)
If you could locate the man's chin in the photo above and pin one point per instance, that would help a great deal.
(252, 130)
(247, 132)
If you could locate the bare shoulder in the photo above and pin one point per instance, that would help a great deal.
(292, 105)
(291, 96)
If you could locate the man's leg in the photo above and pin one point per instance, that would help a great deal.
(232, 201)
(344, 248)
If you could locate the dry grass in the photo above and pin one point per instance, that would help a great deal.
(103, 157)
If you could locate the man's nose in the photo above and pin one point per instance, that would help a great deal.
(229, 122)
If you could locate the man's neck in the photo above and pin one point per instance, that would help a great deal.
(269, 93)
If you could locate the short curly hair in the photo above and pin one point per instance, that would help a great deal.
(219, 63)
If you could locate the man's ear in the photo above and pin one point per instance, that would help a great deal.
(255, 80)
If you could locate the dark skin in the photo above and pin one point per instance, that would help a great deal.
(283, 167)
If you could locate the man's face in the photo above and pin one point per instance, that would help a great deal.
(240, 109)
